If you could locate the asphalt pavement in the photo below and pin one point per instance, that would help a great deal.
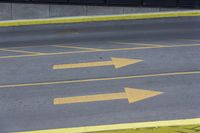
(157, 58)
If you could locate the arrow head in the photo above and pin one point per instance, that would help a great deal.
(135, 95)
(122, 62)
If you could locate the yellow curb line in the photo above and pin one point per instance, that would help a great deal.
(140, 125)
(98, 18)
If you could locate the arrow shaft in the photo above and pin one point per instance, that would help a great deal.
(82, 65)
(90, 98)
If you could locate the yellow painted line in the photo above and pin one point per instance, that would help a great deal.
(32, 46)
(140, 44)
(155, 45)
(76, 47)
(44, 54)
(103, 50)
(139, 125)
(100, 79)
(70, 32)
(99, 18)
(116, 62)
(76, 33)
(195, 40)
(179, 45)
(19, 51)
(133, 95)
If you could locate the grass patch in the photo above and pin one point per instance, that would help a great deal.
(172, 129)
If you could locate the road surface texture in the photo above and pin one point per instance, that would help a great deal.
(46, 70)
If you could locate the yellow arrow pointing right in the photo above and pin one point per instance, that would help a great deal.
(133, 95)
(117, 62)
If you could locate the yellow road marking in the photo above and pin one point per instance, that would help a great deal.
(139, 125)
(140, 44)
(100, 79)
(133, 95)
(103, 50)
(44, 54)
(179, 45)
(76, 47)
(195, 40)
(19, 51)
(155, 45)
(70, 32)
(75, 33)
(117, 62)
(31, 46)
(99, 18)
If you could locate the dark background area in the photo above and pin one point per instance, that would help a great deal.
(148, 3)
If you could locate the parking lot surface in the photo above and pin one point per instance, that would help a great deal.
(74, 75)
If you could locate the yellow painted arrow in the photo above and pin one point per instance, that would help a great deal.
(133, 95)
(117, 62)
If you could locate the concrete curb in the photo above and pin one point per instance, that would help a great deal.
(82, 19)
(140, 125)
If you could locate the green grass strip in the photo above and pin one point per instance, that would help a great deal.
(172, 129)
(97, 18)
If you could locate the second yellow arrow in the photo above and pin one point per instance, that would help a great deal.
(132, 94)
